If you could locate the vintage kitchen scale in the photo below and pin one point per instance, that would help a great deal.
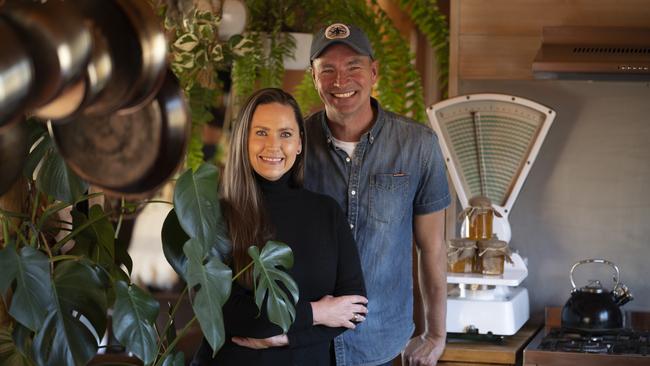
(489, 142)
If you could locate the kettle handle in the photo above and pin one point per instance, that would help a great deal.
(603, 261)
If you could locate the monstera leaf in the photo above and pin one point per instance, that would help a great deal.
(173, 238)
(57, 180)
(280, 309)
(177, 359)
(197, 208)
(97, 241)
(214, 279)
(9, 353)
(134, 314)
(65, 338)
(31, 271)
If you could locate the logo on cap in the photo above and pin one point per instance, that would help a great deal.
(337, 31)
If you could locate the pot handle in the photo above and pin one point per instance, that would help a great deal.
(617, 275)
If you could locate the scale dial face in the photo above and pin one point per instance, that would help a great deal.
(490, 142)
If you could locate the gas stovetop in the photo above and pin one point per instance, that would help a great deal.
(623, 342)
(557, 346)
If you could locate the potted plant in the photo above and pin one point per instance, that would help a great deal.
(57, 289)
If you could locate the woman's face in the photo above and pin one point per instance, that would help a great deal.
(274, 140)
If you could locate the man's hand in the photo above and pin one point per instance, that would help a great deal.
(340, 311)
(256, 343)
(423, 351)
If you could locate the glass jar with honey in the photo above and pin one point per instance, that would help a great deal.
(480, 217)
(492, 254)
(461, 255)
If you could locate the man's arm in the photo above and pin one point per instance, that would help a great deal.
(426, 348)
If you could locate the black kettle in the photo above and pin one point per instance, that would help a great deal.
(593, 308)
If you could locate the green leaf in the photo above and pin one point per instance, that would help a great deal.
(81, 287)
(214, 279)
(268, 276)
(97, 241)
(197, 206)
(186, 42)
(58, 181)
(36, 155)
(51, 345)
(134, 315)
(9, 353)
(173, 238)
(9, 265)
(122, 255)
(177, 359)
(67, 338)
(22, 337)
(33, 292)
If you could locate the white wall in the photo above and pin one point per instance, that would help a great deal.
(588, 194)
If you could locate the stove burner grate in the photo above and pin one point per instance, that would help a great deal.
(623, 342)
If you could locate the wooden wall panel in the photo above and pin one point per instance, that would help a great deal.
(492, 57)
(527, 17)
(498, 39)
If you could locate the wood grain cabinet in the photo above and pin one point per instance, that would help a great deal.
(470, 353)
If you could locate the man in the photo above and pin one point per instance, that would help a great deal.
(388, 174)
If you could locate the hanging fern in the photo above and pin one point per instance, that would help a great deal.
(306, 94)
(433, 24)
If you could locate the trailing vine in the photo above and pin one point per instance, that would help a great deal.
(197, 56)
(433, 24)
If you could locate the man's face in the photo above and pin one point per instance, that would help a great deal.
(344, 80)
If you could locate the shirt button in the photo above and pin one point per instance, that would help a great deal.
(351, 226)
(347, 159)
(353, 193)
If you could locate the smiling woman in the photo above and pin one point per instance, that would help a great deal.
(263, 200)
(274, 140)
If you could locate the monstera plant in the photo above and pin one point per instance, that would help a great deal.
(60, 277)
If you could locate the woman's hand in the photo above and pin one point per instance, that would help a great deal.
(257, 343)
(340, 311)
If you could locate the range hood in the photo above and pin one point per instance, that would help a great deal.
(594, 53)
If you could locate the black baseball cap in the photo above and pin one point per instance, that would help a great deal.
(346, 34)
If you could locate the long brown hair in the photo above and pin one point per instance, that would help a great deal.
(241, 196)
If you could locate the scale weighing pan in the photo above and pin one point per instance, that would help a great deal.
(490, 142)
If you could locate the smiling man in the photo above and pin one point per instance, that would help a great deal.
(387, 173)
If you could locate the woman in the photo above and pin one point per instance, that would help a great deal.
(263, 199)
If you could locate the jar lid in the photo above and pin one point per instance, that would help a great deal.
(461, 243)
(492, 244)
(480, 201)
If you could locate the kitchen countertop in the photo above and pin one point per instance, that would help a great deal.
(508, 352)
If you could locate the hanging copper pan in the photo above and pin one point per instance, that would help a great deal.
(16, 75)
(81, 93)
(138, 51)
(129, 154)
(57, 40)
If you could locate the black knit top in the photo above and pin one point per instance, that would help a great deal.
(326, 262)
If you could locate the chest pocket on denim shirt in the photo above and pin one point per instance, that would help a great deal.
(388, 197)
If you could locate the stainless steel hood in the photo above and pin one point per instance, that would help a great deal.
(594, 53)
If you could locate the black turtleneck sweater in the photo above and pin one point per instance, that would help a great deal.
(326, 262)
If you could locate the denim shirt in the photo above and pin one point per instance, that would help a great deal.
(397, 171)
